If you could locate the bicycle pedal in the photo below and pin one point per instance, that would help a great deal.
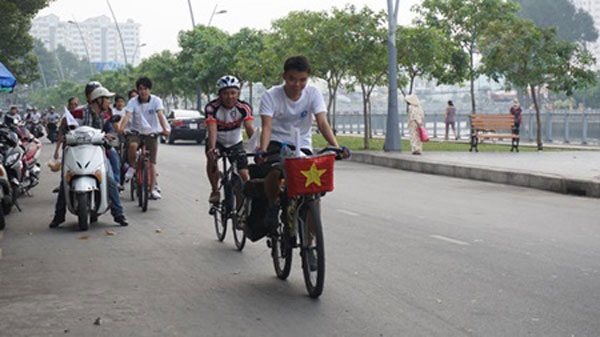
(269, 244)
(212, 211)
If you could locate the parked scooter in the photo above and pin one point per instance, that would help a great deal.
(5, 194)
(85, 174)
(12, 161)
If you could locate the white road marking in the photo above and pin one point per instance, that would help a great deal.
(443, 238)
(347, 212)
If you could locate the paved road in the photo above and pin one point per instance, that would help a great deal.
(408, 255)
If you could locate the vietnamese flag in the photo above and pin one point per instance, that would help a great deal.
(309, 175)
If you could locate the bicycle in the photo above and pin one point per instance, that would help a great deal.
(233, 205)
(300, 226)
(140, 183)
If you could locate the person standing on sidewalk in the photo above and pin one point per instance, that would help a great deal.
(450, 113)
(517, 112)
(416, 120)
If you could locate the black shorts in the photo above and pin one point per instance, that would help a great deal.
(241, 160)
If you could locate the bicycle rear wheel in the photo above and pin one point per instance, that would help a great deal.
(312, 248)
(281, 250)
(238, 227)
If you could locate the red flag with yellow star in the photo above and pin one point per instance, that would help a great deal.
(309, 175)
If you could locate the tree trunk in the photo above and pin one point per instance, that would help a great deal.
(370, 119)
(330, 101)
(366, 118)
(472, 78)
(540, 146)
(333, 125)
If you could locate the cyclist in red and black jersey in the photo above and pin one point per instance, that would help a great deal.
(225, 117)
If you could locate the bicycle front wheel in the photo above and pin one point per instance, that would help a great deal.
(312, 248)
(220, 222)
(145, 187)
(281, 250)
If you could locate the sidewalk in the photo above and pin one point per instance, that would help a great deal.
(576, 172)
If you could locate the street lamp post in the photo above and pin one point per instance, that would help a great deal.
(214, 12)
(58, 63)
(73, 22)
(392, 135)
(192, 14)
(135, 52)
(120, 36)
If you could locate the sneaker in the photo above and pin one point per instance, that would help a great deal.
(157, 188)
(56, 189)
(129, 174)
(121, 220)
(55, 222)
(215, 197)
(313, 262)
(121, 188)
(155, 195)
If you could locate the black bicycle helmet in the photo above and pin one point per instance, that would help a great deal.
(91, 86)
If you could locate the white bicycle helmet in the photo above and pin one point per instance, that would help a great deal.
(228, 81)
(100, 92)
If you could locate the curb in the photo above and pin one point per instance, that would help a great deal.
(537, 180)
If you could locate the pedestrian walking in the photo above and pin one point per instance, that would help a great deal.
(517, 112)
(450, 119)
(416, 119)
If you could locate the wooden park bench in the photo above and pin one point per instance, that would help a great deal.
(493, 126)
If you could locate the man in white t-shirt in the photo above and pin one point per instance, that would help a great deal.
(224, 117)
(285, 109)
(146, 113)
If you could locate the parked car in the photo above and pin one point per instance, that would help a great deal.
(186, 125)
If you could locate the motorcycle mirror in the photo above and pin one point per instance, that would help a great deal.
(115, 118)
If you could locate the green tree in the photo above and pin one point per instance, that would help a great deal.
(50, 63)
(368, 66)
(204, 57)
(465, 22)
(57, 95)
(532, 57)
(426, 52)
(572, 24)
(15, 41)
(247, 66)
(118, 81)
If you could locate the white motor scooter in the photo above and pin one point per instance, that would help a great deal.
(85, 174)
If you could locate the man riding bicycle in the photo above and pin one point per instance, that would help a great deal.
(146, 112)
(224, 117)
(283, 109)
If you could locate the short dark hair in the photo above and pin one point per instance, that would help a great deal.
(118, 97)
(299, 63)
(450, 103)
(145, 81)
(71, 99)
(129, 94)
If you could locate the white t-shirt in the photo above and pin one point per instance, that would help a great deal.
(36, 116)
(289, 115)
(145, 115)
(121, 113)
(52, 117)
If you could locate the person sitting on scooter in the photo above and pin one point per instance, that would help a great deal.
(93, 117)
(12, 117)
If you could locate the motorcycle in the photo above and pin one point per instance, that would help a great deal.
(85, 174)
(52, 132)
(36, 128)
(12, 165)
(5, 194)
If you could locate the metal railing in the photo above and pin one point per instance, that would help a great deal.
(558, 127)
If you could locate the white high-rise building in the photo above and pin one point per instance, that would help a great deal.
(100, 36)
(592, 7)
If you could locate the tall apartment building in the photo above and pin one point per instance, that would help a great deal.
(99, 35)
(592, 7)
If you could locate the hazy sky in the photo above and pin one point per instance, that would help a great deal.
(162, 19)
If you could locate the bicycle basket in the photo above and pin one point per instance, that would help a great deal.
(309, 175)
